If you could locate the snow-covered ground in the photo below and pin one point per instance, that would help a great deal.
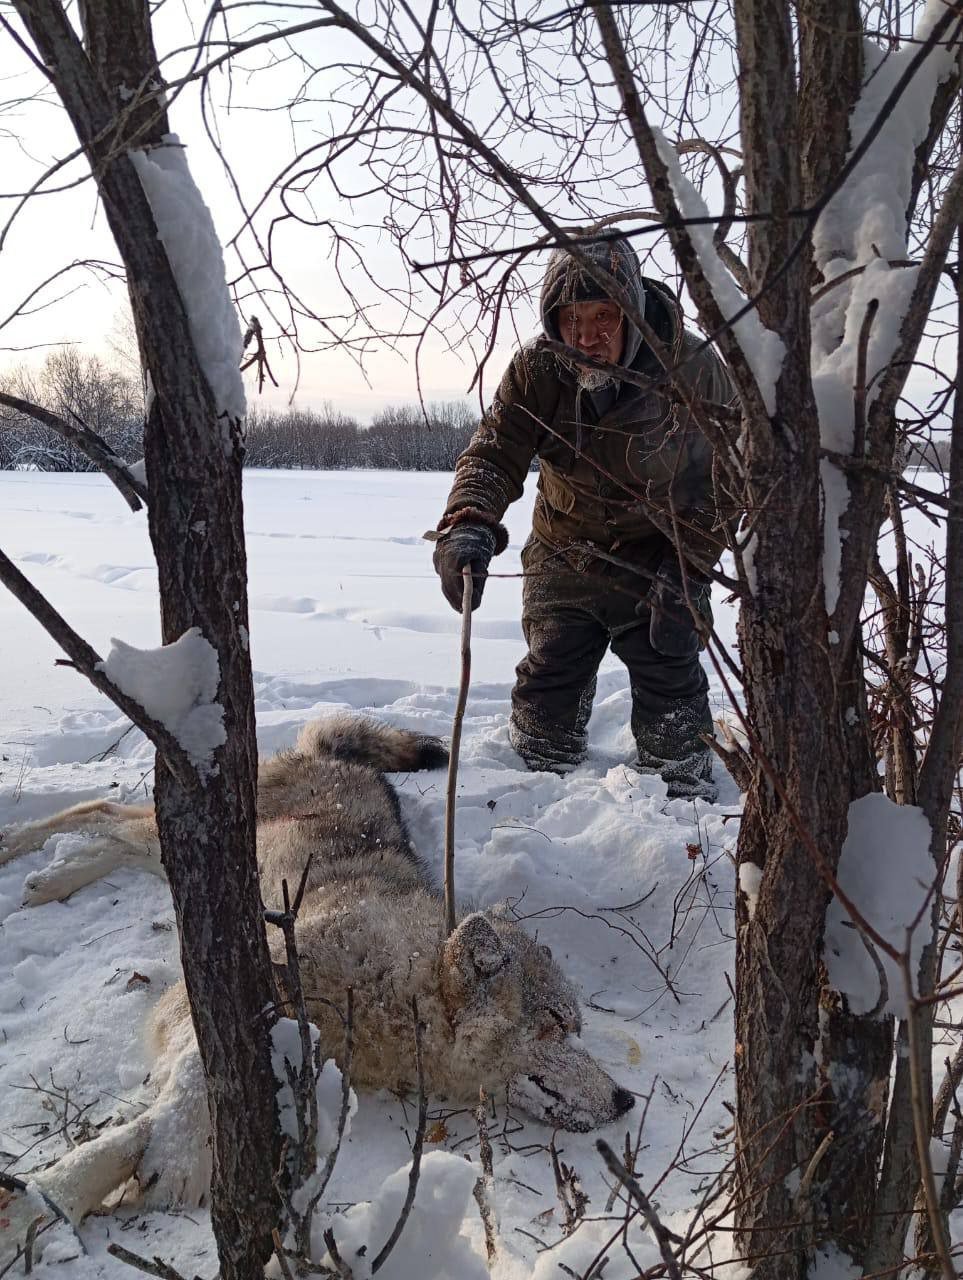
(633, 893)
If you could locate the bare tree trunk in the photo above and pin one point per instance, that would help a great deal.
(799, 1184)
(193, 458)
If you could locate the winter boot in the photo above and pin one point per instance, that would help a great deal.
(671, 745)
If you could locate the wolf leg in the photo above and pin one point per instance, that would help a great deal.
(176, 1166)
(95, 815)
(73, 1186)
(79, 1182)
(129, 844)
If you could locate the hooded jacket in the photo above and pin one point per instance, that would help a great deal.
(613, 466)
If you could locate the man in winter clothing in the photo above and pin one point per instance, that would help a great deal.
(620, 467)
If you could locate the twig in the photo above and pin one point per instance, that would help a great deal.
(280, 1255)
(570, 1195)
(860, 389)
(332, 1155)
(416, 1149)
(618, 1170)
(467, 589)
(340, 1266)
(922, 1128)
(484, 1186)
(806, 1181)
(302, 1158)
(737, 760)
(260, 354)
(151, 1267)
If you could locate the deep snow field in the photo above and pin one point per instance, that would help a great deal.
(633, 893)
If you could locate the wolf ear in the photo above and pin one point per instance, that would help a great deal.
(475, 942)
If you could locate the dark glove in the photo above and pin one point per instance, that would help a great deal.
(672, 631)
(461, 545)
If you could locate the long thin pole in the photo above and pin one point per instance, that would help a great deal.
(468, 586)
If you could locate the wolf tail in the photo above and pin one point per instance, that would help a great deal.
(363, 741)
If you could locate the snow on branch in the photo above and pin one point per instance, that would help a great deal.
(886, 868)
(186, 230)
(87, 662)
(866, 218)
(764, 350)
(177, 686)
(860, 241)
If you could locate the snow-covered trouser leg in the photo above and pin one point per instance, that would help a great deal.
(555, 681)
(670, 712)
(570, 616)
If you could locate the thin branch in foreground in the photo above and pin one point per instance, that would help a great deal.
(485, 1184)
(416, 1149)
(89, 664)
(150, 1267)
(89, 443)
(618, 1170)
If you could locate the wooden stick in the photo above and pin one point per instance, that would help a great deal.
(467, 590)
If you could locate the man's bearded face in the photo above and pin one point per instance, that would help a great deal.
(598, 330)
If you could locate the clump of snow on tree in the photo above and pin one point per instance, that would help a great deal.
(285, 1053)
(750, 878)
(177, 686)
(186, 230)
(864, 229)
(430, 1247)
(886, 870)
(763, 349)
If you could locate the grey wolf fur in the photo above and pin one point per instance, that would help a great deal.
(498, 1012)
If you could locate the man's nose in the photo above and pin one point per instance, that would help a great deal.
(587, 335)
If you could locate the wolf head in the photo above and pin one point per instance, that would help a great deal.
(515, 1015)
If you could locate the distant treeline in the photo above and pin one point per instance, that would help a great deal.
(401, 439)
(111, 403)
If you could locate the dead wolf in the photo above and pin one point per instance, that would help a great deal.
(498, 1012)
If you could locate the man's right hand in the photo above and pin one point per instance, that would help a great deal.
(456, 547)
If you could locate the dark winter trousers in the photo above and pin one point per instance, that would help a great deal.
(570, 616)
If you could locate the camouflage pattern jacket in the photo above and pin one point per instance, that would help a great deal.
(613, 479)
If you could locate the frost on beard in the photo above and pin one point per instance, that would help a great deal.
(177, 686)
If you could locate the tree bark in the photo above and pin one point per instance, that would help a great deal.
(810, 1117)
(193, 460)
